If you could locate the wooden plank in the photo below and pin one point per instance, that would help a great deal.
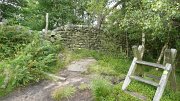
(130, 72)
(151, 64)
(144, 80)
(162, 83)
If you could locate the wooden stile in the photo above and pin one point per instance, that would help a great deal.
(168, 67)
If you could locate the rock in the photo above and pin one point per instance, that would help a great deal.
(81, 66)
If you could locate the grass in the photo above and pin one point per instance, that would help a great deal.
(112, 65)
(63, 92)
(83, 86)
(103, 90)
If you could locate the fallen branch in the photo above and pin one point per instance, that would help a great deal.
(54, 77)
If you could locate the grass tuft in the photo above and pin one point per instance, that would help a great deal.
(63, 92)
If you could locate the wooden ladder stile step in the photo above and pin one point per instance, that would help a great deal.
(150, 64)
(144, 80)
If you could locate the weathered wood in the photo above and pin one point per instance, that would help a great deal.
(136, 95)
(138, 53)
(173, 82)
(169, 57)
(173, 54)
(135, 52)
(162, 83)
(144, 80)
(130, 72)
(154, 77)
(150, 64)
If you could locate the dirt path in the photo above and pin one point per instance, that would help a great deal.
(42, 91)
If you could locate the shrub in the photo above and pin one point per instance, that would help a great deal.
(27, 64)
(13, 39)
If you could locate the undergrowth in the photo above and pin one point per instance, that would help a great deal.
(25, 57)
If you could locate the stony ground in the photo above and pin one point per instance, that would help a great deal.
(74, 74)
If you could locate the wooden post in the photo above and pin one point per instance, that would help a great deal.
(169, 57)
(131, 69)
(46, 28)
(139, 55)
(133, 66)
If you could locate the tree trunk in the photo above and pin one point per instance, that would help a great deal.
(162, 52)
(127, 45)
(1, 17)
(100, 19)
(141, 50)
(102, 16)
(143, 44)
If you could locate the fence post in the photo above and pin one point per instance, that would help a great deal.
(169, 57)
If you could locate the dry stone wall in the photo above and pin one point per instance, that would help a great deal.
(79, 36)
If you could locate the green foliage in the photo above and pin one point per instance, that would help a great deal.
(13, 39)
(63, 92)
(101, 90)
(27, 64)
